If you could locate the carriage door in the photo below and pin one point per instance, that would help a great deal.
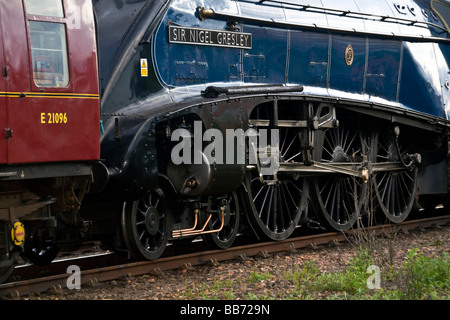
(2, 94)
(15, 75)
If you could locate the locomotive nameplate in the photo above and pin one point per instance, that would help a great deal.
(207, 37)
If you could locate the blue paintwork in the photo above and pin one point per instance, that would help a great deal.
(420, 88)
(399, 67)
(443, 62)
(307, 47)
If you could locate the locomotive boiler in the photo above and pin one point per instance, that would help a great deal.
(228, 116)
(50, 123)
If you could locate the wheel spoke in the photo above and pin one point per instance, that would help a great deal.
(257, 195)
(146, 228)
(274, 208)
(334, 195)
(269, 206)
(292, 200)
(395, 191)
(157, 203)
(346, 150)
(289, 147)
(224, 238)
(280, 209)
(295, 155)
(263, 206)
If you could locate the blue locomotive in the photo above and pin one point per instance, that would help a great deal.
(227, 116)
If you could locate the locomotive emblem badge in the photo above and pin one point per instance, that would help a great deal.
(349, 55)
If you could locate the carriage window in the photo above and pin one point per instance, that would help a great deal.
(49, 54)
(50, 8)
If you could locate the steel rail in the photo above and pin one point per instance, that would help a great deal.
(91, 277)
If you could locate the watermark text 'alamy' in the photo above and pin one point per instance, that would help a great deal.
(221, 149)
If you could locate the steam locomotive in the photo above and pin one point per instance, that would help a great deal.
(221, 117)
(269, 114)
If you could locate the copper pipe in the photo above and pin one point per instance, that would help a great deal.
(182, 231)
(191, 232)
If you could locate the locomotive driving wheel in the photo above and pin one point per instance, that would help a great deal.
(145, 225)
(274, 203)
(224, 238)
(394, 190)
(338, 198)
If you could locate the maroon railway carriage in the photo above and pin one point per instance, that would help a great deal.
(49, 115)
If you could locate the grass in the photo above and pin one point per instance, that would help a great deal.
(426, 278)
(420, 277)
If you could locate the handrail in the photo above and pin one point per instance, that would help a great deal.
(348, 12)
(342, 12)
(209, 13)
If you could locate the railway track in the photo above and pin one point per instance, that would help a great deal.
(107, 266)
